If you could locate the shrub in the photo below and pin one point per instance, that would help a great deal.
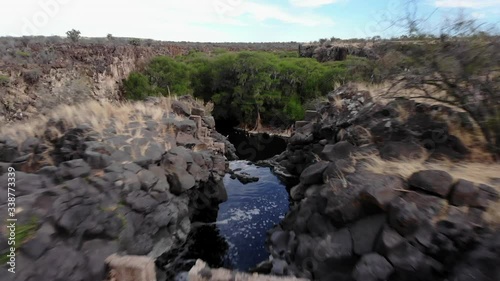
(168, 76)
(32, 76)
(22, 54)
(137, 86)
(294, 109)
(4, 80)
(110, 37)
(135, 42)
(73, 35)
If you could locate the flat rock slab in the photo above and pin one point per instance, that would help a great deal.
(201, 272)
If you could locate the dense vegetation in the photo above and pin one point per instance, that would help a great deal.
(247, 86)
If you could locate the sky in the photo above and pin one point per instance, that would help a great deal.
(230, 20)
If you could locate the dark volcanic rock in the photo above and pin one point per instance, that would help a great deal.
(432, 181)
(365, 232)
(388, 240)
(340, 150)
(8, 150)
(372, 267)
(314, 173)
(337, 245)
(74, 169)
(464, 193)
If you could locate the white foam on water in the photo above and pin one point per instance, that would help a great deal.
(240, 215)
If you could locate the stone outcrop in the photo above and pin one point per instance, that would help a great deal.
(333, 52)
(130, 187)
(350, 222)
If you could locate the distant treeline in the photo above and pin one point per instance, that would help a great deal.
(246, 86)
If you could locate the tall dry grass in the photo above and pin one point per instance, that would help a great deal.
(97, 115)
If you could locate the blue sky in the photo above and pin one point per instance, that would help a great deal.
(229, 20)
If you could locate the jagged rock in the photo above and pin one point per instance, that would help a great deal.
(74, 169)
(141, 201)
(433, 181)
(464, 193)
(337, 246)
(244, 178)
(180, 181)
(404, 216)
(311, 115)
(301, 139)
(372, 267)
(181, 108)
(380, 190)
(489, 192)
(8, 150)
(198, 111)
(96, 252)
(209, 121)
(314, 173)
(340, 150)
(388, 240)
(365, 232)
(98, 155)
(184, 139)
(71, 265)
(186, 126)
(147, 179)
(4, 167)
(482, 262)
(409, 263)
(343, 203)
(131, 181)
(318, 225)
(30, 145)
(428, 206)
(25, 183)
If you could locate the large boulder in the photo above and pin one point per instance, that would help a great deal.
(340, 150)
(372, 267)
(435, 182)
(314, 173)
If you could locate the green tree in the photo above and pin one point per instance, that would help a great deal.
(168, 76)
(137, 86)
(73, 35)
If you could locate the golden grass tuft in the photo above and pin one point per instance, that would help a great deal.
(97, 115)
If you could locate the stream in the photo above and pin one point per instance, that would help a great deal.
(236, 240)
(250, 211)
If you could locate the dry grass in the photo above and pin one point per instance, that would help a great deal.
(338, 102)
(98, 115)
(481, 173)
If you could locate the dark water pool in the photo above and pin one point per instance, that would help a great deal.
(250, 211)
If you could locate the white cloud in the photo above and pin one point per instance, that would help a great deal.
(263, 12)
(312, 3)
(179, 20)
(476, 4)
